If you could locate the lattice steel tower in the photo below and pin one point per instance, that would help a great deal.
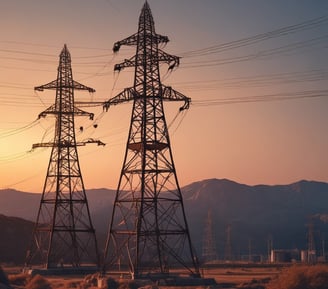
(209, 252)
(64, 235)
(148, 232)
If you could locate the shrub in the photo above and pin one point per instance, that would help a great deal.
(38, 282)
(3, 277)
(112, 283)
(128, 285)
(301, 277)
(72, 284)
(18, 279)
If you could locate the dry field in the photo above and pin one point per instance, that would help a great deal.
(236, 275)
(227, 276)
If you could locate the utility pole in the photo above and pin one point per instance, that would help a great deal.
(63, 235)
(148, 233)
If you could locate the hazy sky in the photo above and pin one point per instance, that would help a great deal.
(237, 56)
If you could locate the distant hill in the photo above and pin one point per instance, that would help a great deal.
(26, 205)
(18, 211)
(19, 204)
(254, 213)
(15, 234)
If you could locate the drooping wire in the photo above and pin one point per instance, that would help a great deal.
(22, 181)
(39, 97)
(116, 76)
(96, 121)
(13, 157)
(183, 114)
(47, 131)
(19, 130)
(174, 119)
(19, 156)
(98, 73)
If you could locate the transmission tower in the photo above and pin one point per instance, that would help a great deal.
(228, 246)
(311, 243)
(64, 235)
(270, 247)
(209, 247)
(148, 232)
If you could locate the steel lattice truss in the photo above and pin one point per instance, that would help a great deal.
(63, 234)
(148, 231)
(209, 249)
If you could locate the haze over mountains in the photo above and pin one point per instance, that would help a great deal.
(254, 213)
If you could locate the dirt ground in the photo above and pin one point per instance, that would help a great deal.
(237, 274)
(240, 273)
(226, 276)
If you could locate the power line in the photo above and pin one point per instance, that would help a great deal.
(22, 180)
(19, 130)
(258, 55)
(256, 80)
(18, 156)
(309, 24)
(262, 98)
(20, 43)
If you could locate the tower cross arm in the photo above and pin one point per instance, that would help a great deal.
(42, 145)
(81, 112)
(89, 141)
(67, 144)
(79, 86)
(133, 40)
(51, 85)
(162, 56)
(172, 60)
(161, 39)
(49, 110)
(56, 84)
(126, 95)
(169, 94)
(126, 63)
(129, 41)
(76, 111)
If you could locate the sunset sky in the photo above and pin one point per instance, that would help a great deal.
(256, 71)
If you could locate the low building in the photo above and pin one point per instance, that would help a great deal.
(284, 256)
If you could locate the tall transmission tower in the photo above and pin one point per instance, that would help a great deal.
(148, 233)
(209, 253)
(64, 235)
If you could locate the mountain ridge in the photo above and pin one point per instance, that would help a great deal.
(254, 212)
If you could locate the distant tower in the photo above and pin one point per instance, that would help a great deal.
(323, 249)
(311, 254)
(270, 247)
(228, 246)
(64, 235)
(249, 250)
(148, 232)
(209, 248)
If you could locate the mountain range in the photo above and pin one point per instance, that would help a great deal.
(253, 214)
